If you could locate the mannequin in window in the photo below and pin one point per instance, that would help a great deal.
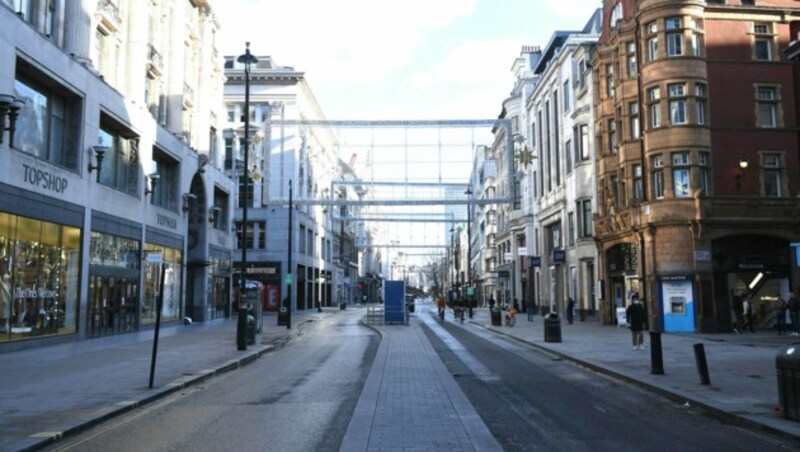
(5, 301)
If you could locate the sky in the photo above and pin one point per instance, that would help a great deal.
(411, 59)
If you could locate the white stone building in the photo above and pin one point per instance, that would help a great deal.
(80, 237)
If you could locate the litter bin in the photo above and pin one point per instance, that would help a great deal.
(787, 363)
(496, 317)
(552, 328)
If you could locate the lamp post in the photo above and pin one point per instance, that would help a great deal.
(470, 296)
(289, 281)
(241, 326)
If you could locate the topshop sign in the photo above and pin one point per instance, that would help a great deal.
(44, 179)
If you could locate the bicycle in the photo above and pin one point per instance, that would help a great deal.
(511, 318)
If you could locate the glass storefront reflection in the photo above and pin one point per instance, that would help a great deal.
(39, 268)
(113, 304)
(172, 259)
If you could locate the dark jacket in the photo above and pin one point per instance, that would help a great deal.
(636, 316)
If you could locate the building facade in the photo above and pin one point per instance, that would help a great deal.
(561, 178)
(292, 148)
(697, 159)
(103, 169)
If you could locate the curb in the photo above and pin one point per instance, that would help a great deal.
(717, 413)
(169, 389)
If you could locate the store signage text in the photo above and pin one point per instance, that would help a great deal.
(166, 221)
(44, 179)
(35, 293)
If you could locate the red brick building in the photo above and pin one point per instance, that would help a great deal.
(697, 159)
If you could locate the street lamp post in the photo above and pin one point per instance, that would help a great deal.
(248, 60)
(470, 296)
(289, 281)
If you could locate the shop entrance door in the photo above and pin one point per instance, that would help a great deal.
(113, 305)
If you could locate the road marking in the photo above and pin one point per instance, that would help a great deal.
(481, 372)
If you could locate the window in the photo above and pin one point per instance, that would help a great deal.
(585, 209)
(652, 28)
(610, 89)
(250, 234)
(673, 23)
(262, 234)
(701, 96)
(245, 193)
(221, 202)
(50, 16)
(120, 168)
(633, 112)
(48, 126)
(616, 15)
(695, 44)
(674, 44)
(583, 139)
(632, 66)
(571, 228)
(681, 183)
(568, 155)
(583, 69)
(638, 186)
(767, 105)
(167, 168)
(658, 176)
(566, 92)
(762, 41)
(677, 103)
(612, 135)
(654, 100)
(652, 49)
(23, 9)
(771, 172)
(704, 170)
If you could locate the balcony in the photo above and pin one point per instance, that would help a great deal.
(155, 63)
(188, 96)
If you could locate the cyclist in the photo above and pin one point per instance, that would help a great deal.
(511, 317)
(441, 305)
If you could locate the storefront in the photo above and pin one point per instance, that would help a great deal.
(169, 247)
(220, 282)
(39, 271)
(114, 261)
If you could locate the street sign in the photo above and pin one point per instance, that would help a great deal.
(155, 258)
(534, 261)
(288, 279)
(559, 256)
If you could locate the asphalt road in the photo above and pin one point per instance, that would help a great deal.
(298, 398)
(531, 401)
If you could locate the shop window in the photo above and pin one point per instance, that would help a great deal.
(172, 260)
(38, 277)
(120, 168)
(167, 168)
(48, 126)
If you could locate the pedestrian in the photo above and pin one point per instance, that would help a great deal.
(516, 305)
(531, 310)
(570, 310)
(793, 305)
(637, 319)
(738, 312)
(780, 314)
(491, 301)
(747, 308)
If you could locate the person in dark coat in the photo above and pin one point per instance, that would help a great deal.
(738, 312)
(637, 319)
(570, 310)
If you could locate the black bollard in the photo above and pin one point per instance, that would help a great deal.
(656, 359)
(702, 365)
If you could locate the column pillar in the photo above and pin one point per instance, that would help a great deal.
(78, 29)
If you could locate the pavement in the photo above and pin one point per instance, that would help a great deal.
(55, 391)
